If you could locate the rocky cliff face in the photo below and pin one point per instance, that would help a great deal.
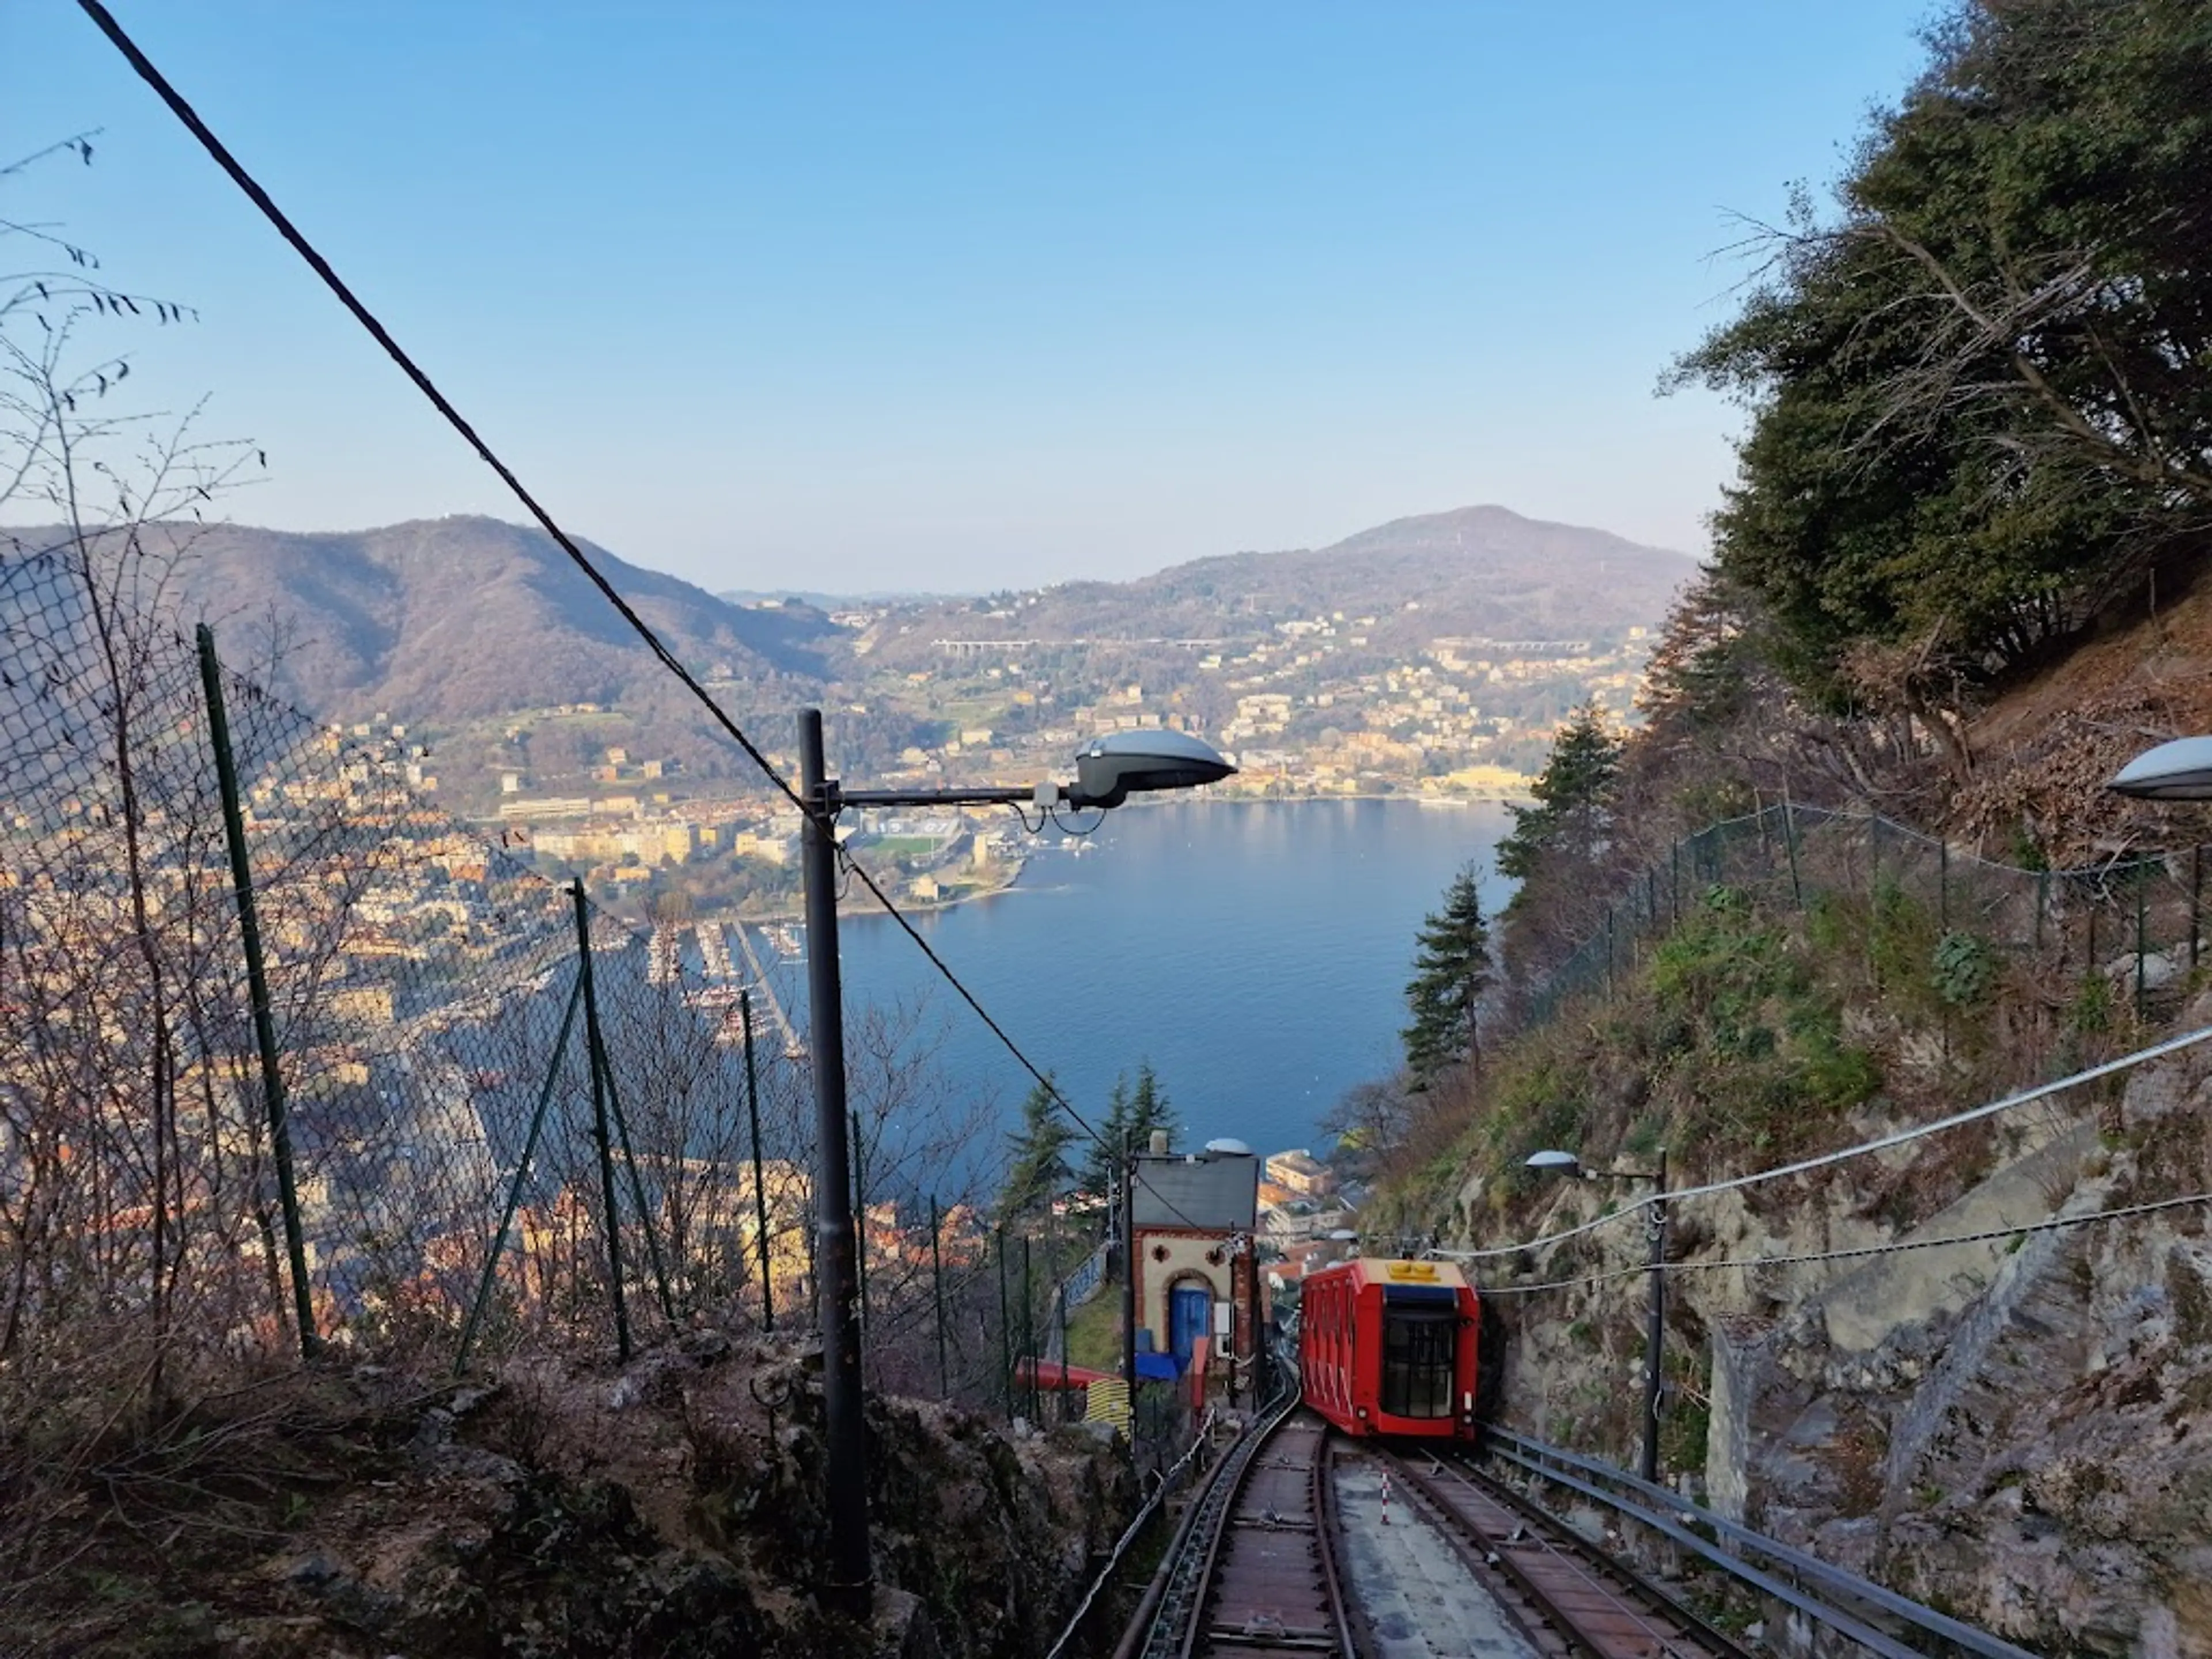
(2016, 1431)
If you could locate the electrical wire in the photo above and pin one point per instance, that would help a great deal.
(1070, 832)
(1902, 1137)
(2051, 1224)
(219, 153)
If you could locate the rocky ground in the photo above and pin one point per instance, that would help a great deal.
(552, 1508)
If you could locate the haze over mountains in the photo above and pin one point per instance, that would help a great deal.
(456, 619)
(1480, 571)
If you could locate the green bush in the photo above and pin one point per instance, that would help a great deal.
(1963, 970)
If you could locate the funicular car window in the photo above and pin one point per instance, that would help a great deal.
(1419, 1349)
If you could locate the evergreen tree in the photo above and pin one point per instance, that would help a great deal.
(1450, 972)
(1572, 816)
(1041, 1170)
(1148, 1110)
(1098, 1177)
(1979, 410)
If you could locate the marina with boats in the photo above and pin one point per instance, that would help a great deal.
(723, 989)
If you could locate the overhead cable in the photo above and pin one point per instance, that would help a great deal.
(1988, 1236)
(1803, 1165)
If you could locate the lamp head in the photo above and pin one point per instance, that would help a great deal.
(1555, 1162)
(2180, 770)
(1110, 769)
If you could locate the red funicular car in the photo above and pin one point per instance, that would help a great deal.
(1394, 1347)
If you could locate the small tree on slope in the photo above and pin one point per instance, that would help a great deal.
(1451, 973)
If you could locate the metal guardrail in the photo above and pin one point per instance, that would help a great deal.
(1680, 1513)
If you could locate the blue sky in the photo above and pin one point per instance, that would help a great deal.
(929, 295)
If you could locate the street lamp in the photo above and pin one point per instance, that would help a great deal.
(1107, 771)
(1655, 1228)
(2180, 770)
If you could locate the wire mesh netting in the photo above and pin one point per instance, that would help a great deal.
(465, 1133)
(2126, 934)
(455, 1153)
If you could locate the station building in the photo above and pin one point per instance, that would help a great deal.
(1196, 1274)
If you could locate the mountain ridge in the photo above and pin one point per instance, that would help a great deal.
(465, 619)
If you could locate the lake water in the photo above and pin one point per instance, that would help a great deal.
(1255, 953)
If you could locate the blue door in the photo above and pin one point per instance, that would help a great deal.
(1190, 1315)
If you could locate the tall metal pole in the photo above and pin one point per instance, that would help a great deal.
(599, 1130)
(760, 1188)
(845, 1422)
(1654, 1330)
(257, 985)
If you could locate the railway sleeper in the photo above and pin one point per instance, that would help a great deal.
(1274, 1634)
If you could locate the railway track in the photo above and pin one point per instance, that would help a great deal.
(1258, 1578)
(1568, 1596)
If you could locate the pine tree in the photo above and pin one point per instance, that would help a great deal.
(1148, 1110)
(1041, 1170)
(1571, 815)
(1098, 1178)
(1450, 972)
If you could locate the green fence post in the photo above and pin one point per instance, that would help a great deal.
(600, 1129)
(256, 985)
(937, 1295)
(860, 1216)
(636, 1185)
(1790, 845)
(2142, 910)
(2196, 900)
(1005, 1331)
(1063, 1351)
(521, 1174)
(1029, 1328)
(759, 1186)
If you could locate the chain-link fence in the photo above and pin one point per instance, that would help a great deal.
(289, 1058)
(2120, 939)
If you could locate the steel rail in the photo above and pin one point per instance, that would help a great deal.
(1256, 1572)
(1328, 1531)
(1525, 1452)
(1181, 1582)
(1874, 1641)
(1630, 1598)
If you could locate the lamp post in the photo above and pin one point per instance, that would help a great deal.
(1655, 1228)
(1107, 771)
(2180, 770)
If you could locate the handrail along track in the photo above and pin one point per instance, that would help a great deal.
(1790, 1576)
(1568, 1596)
